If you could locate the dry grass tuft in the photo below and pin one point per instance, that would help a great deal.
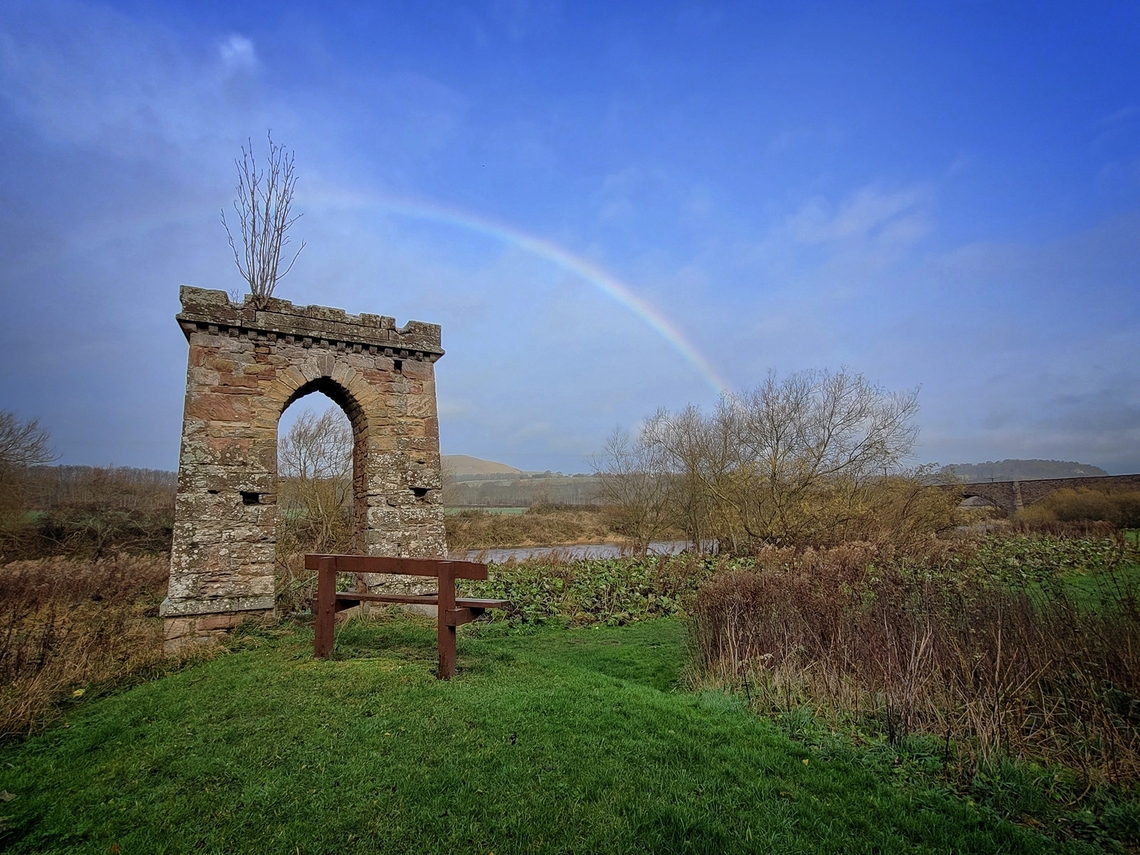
(67, 626)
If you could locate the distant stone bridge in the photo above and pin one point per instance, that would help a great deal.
(1012, 496)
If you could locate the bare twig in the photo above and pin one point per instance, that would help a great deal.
(263, 203)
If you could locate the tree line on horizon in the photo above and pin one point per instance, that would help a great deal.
(816, 457)
(1018, 470)
(811, 459)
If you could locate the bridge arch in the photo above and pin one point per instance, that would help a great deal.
(985, 501)
(1012, 496)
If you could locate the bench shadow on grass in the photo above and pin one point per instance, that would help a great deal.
(650, 653)
(386, 634)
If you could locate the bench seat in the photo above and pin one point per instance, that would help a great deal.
(369, 597)
(419, 599)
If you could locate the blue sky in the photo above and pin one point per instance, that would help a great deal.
(938, 195)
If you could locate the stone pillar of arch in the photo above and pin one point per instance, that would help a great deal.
(245, 367)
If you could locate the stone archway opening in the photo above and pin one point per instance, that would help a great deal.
(320, 491)
(245, 367)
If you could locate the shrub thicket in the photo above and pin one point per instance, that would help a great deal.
(611, 591)
(89, 512)
(1119, 508)
(990, 647)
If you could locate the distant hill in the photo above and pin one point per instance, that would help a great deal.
(1019, 470)
(460, 465)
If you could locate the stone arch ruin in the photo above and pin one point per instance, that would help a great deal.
(245, 367)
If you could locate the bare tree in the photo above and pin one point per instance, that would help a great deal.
(637, 487)
(689, 450)
(806, 446)
(315, 495)
(22, 445)
(809, 458)
(264, 200)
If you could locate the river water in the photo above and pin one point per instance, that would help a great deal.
(577, 551)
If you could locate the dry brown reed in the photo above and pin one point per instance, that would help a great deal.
(936, 641)
(69, 626)
(1117, 508)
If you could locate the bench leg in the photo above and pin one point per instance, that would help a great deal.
(325, 608)
(445, 633)
(446, 651)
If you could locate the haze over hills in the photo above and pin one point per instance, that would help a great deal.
(465, 466)
(462, 464)
(1020, 470)
(473, 482)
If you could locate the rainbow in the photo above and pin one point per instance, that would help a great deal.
(587, 270)
(583, 268)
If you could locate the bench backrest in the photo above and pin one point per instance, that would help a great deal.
(398, 566)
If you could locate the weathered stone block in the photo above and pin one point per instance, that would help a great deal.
(416, 370)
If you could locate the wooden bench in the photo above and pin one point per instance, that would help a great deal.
(452, 611)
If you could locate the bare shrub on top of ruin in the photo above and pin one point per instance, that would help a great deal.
(263, 206)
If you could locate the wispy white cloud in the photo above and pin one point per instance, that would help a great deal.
(1115, 119)
(91, 76)
(1120, 177)
(1117, 142)
(702, 18)
(237, 53)
(617, 194)
(891, 217)
(787, 140)
(522, 145)
(699, 203)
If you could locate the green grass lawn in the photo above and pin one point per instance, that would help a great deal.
(1093, 589)
(550, 740)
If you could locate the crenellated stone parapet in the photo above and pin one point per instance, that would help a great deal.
(245, 367)
(307, 325)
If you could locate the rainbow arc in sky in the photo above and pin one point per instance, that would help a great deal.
(587, 270)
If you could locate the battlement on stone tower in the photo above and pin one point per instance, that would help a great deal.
(212, 310)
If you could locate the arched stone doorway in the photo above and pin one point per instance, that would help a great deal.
(343, 400)
(245, 367)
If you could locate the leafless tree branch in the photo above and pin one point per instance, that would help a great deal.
(807, 458)
(263, 207)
